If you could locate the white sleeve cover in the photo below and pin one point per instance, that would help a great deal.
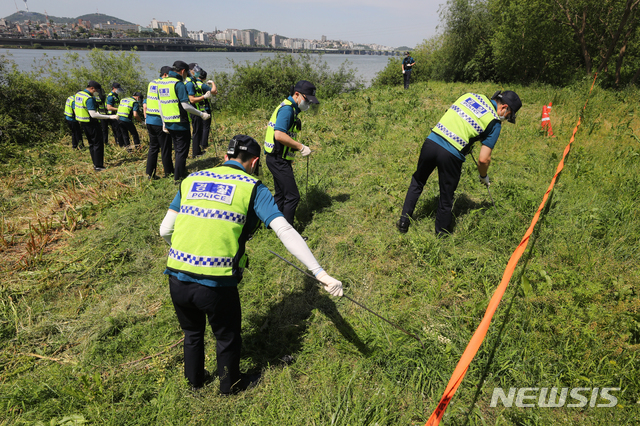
(190, 109)
(166, 227)
(294, 243)
(95, 114)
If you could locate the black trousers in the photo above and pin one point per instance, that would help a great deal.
(159, 142)
(76, 133)
(115, 128)
(407, 77)
(126, 127)
(449, 167)
(286, 195)
(93, 132)
(181, 140)
(194, 304)
(196, 137)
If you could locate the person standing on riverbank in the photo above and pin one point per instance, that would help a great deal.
(197, 98)
(280, 146)
(112, 103)
(86, 113)
(174, 109)
(209, 86)
(128, 110)
(407, 64)
(72, 123)
(159, 141)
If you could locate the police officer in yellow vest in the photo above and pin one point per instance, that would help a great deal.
(72, 123)
(471, 118)
(198, 98)
(85, 108)
(280, 145)
(175, 109)
(159, 141)
(207, 225)
(112, 103)
(129, 110)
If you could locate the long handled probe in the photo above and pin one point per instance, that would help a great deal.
(348, 298)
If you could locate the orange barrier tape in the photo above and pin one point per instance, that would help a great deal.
(478, 337)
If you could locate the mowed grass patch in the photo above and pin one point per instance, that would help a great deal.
(88, 328)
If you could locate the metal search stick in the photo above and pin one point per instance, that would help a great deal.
(474, 160)
(348, 298)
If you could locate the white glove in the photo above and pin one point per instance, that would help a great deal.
(210, 83)
(485, 180)
(333, 286)
(205, 116)
(164, 129)
(305, 150)
(114, 117)
(207, 95)
(402, 71)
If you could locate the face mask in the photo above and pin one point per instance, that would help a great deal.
(504, 117)
(304, 105)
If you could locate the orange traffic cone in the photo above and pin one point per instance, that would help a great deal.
(545, 118)
(549, 129)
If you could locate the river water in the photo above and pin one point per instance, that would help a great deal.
(366, 66)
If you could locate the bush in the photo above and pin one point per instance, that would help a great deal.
(30, 111)
(268, 80)
(70, 74)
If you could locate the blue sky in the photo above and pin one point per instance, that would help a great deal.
(386, 22)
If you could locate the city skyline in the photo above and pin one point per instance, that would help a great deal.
(393, 24)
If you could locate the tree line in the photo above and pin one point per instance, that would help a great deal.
(555, 42)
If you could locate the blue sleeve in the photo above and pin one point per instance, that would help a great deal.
(191, 90)
(91, 104)
(264, 205)
(136, 106)
(494, 132)
(205, 88)
(111, 100)
(175, 204)
(181, 93)
(284, 119)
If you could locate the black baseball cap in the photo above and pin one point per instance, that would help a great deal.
(138, 94)
(180, 65)
(94, 84)
(165, 70)
(308, 89)
(243, 143)
(116, 86)
(512, 100)
(203, 74)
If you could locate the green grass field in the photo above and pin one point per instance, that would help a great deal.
(88, 334)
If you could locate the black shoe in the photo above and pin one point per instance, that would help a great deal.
(403, 225)
(99, 169)
(208, 378)
(246, 382)
(152, 177)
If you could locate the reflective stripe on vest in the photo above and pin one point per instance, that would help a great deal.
(168, 98)
(270, 137)
(468, 118)
(153, 104)
(80, 108)
(68, 107)
(126, 106)
(209, 236)
(116, 103)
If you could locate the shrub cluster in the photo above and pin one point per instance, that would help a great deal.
(268, 80)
